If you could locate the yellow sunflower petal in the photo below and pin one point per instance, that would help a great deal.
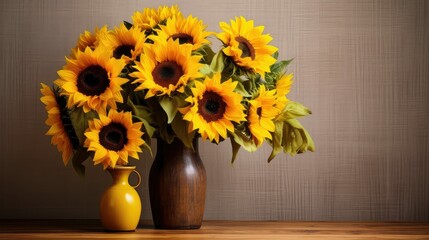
(63, 137)
(166, 57)
(109, 150)
(149, 18)
(247, 46)
(76, 80)
(99, 154)
(188, 30)
(262, 112)
(210, 119)
(123, 43)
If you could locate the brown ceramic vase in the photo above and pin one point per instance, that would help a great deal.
(177, 186)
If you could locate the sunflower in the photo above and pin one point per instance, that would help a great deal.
(91, 80)
(149, 18)
(165, 67)
(113, 138)
(188, 30)
(61, 129)
(262, 111)
(283, 86)
(124, 43)
(247, 46)
(214, 106)
(88, 39)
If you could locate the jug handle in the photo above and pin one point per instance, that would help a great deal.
(138, 177)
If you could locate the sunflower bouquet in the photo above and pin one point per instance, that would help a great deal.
(159, 77)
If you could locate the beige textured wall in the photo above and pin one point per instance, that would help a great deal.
(361, 66)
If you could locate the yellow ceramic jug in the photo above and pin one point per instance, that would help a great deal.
(120, 205)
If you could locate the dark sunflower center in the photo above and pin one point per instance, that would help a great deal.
(93, 81)
(183, 38)
(113, 136)
(211, 106)
(123, 50)
(167, 73)
(66, 121)
(259, 112)
(246, 48)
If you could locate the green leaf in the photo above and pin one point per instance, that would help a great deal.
(242, 90)
(166, 132)
(206, 70)
(295, 110)
(277, 140)
(295, 138)
(77, 118)
(80, 120)
(78, 158)
(180, 128)
(207, 53)
(170, 107)
(280, 66)
(244, 141)
(143, 114)
(277, 70)
(146, 146)
(218, 62)
(128, 25)
(276, 55)
(235, 148)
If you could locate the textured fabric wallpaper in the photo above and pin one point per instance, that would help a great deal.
(361, 66)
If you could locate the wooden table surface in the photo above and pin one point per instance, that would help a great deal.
(91, 229)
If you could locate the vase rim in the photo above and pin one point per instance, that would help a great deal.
(119, 167)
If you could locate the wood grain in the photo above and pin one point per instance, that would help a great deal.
(361, 66)
(91, 229)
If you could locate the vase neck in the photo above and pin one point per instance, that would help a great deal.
(176, 150)
(120, 174)
(176, 144)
